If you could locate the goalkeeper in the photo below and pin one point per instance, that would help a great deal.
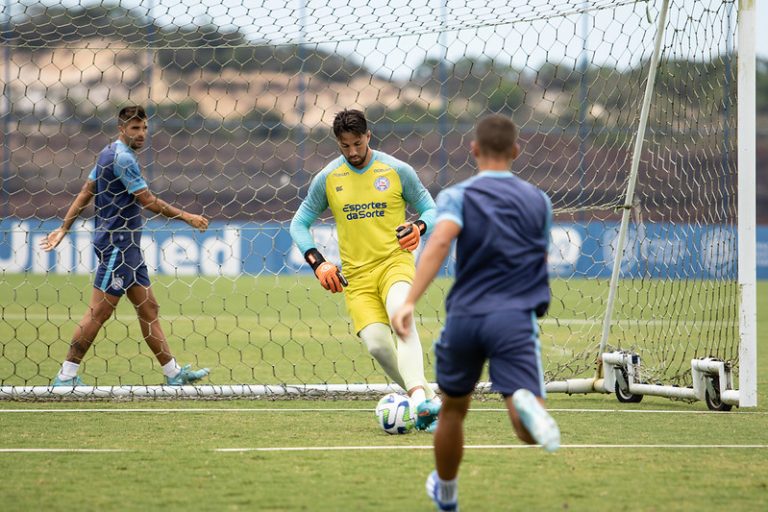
(120, 193)
(367, 192)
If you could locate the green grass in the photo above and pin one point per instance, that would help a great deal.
(270, 330)
(170, 462)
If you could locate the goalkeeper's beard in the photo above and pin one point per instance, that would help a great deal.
(362, 159)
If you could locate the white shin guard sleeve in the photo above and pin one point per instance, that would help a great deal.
(410, 358)
(378, 339)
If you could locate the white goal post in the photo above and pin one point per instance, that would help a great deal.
(618, 371)
(637, 117)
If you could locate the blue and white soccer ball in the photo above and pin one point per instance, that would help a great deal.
(395, 414)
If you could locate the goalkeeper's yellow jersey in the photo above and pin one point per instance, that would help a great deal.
(367, 204)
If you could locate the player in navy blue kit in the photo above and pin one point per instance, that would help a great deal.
(120, 194)
(501, 226)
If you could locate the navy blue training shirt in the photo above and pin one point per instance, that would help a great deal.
(118, 215)
(501, 251)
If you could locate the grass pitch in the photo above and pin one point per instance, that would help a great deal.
(288, 330)
(329, 455)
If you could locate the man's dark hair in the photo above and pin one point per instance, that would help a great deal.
(496, 135)
(352, 121)
(130, 113)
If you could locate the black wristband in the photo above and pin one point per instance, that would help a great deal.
(314, 258)
(422, 226)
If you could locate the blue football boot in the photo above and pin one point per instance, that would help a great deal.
(74, 381)
(433, 492)
(187, 376)
(426, 413)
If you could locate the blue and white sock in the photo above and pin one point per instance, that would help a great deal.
(447, 490)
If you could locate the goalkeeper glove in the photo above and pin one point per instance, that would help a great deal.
(327, 273)
(409, 234)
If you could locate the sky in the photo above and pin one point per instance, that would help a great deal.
(396, 35)
(392, 37)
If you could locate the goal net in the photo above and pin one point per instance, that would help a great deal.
(635, 142)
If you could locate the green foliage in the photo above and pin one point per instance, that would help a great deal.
(552, 75)
(262, 116)
(45, 26)
(475, 84)
(762, 86)
(505, 97)
(485, 83)
(189, 50)
(408, 113)
(185, 49)
(711, 83)
(267, 123)
(186, 109)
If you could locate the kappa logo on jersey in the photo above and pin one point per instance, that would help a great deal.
(381, 184)
(365, 210)
(117, 283)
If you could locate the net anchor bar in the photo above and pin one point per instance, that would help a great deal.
(575, 386)
(712, 381)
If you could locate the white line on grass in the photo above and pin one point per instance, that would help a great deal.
(545, 321)
(492, 447)
(418, 447)
(651, 411)
(196, 410)
(368, 410)
(62, 450)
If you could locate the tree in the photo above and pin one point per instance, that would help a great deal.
(762, 86)
(485, 84)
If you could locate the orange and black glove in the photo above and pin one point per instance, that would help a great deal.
(326, 272)
(409, 234)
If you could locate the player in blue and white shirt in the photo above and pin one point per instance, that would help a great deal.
(501, 226)
(120, 194)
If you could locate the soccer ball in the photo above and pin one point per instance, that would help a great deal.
(395, 414)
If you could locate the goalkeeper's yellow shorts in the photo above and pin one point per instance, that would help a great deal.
(366, 294)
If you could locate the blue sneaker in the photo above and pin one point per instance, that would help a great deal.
(432, 427)
(433, 492)
(74, 381)
(426, 413)
(186, 376)
(537, 420)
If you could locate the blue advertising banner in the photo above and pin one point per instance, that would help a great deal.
(232, 249)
